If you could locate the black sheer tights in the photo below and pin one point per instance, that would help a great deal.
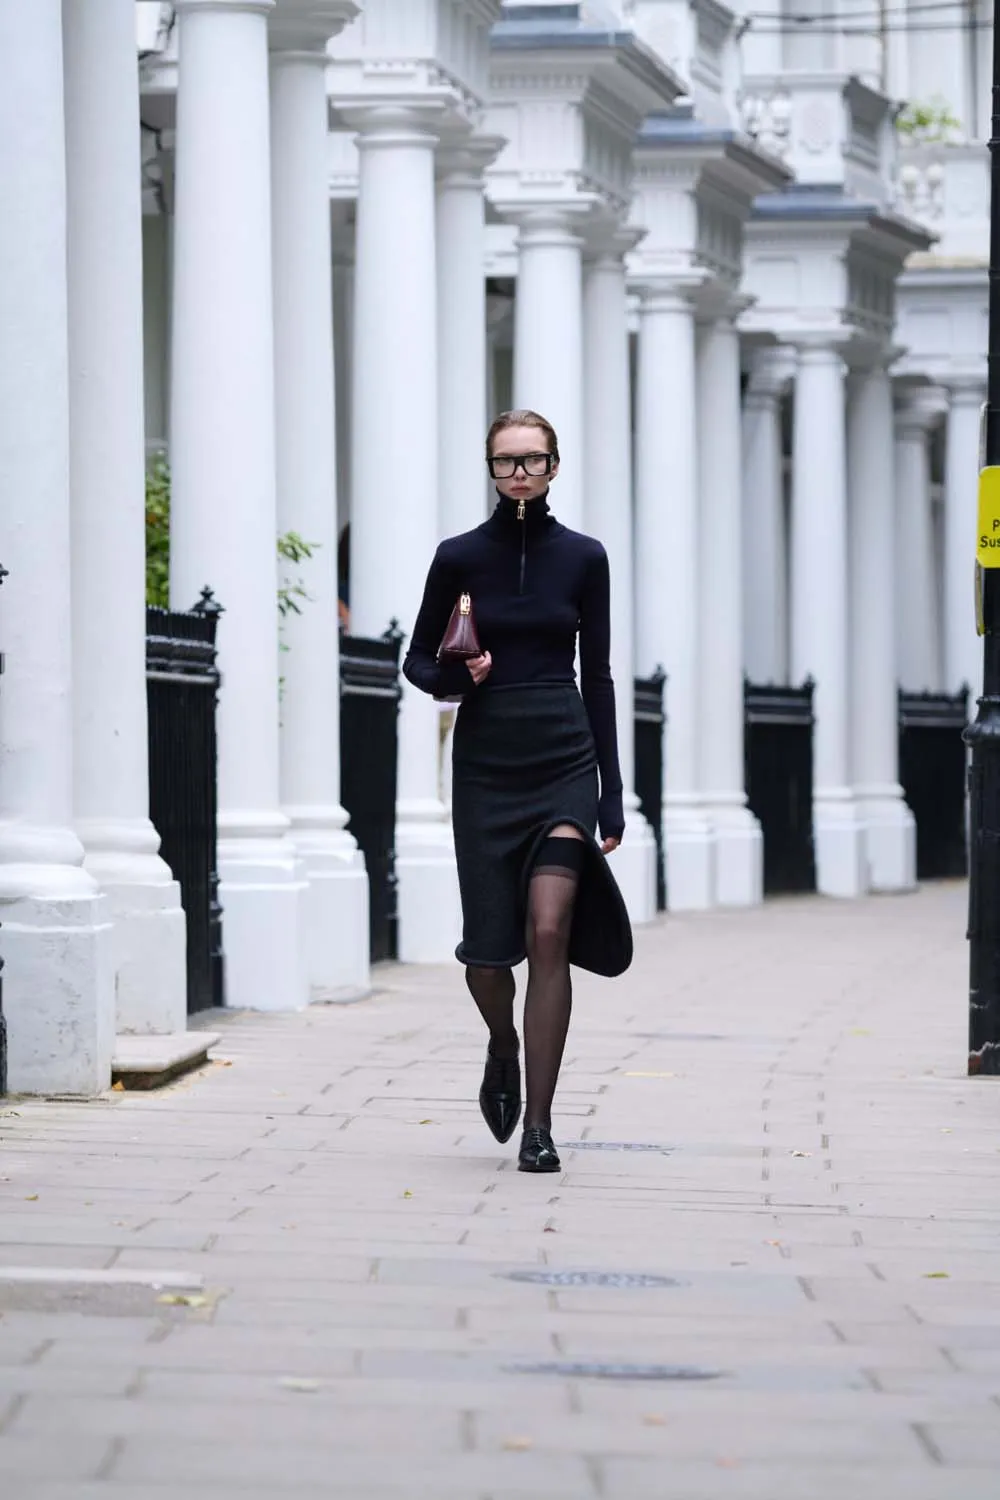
(549, 997)
(548, 1000)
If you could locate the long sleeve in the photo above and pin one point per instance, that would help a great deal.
(598, 690)
(420, 665)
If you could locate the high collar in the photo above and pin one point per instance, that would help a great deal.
(537, 516)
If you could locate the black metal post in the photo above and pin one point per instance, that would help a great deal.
(983, 736)
(3, 1023)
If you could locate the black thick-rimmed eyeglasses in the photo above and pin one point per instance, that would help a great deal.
(506, 465)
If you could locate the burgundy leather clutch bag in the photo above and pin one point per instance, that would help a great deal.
(460, 641)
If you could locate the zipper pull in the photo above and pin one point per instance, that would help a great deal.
(520, 510)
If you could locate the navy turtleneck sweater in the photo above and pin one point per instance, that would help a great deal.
(534, 585)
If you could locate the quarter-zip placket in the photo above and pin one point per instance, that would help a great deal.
(522, 517)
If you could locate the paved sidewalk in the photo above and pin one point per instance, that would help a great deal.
(390, 1310)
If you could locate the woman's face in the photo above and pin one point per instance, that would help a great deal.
(519, 442)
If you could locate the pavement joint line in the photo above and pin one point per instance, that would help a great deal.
(68, 1276)
(927, 1443)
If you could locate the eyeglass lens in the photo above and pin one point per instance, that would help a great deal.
(533, 464)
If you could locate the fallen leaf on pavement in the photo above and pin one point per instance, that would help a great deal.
(772, 1242)
(517, 1444)
(427, 1122)
(31, 1198)
(407, 1193)
(118, 1088)
(299, 1383)
(183, 1299)
(800, 1153)
(937, 1276)
(654, 1419)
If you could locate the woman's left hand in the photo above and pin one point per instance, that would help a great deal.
(609, 846)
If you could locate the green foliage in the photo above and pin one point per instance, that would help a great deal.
(928, 124)
(158, 531)
(292, 548)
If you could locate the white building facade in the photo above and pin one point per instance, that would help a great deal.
(306, 249)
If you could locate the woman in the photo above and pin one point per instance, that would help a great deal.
(527, 751)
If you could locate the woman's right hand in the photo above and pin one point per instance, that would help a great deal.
(480, 666)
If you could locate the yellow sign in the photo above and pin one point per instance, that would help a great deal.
(988, 535)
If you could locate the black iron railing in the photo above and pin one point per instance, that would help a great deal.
(369, 714)
(778, 754)
(932, 773)
(650, 722)
(182, 684)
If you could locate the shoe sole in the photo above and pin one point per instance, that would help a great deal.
(523, 1167)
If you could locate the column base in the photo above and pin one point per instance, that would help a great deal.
(634, 866)
(261, 890)
(430, 908)
(841, 859)
(149, 934)
(890, 837)
(739, 852)
(58, 987)
(335, 923)
(689, 857)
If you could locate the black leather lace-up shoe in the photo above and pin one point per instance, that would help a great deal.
(500, 1095)
(537, 1153)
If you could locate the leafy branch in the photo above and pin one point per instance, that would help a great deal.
(928, 124)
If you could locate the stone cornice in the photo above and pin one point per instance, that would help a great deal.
(527, 59)
(308, 25)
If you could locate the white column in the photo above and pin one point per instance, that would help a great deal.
(917, 633)
(608, 462)
(889, 828)
(548, 342)
(335, 903)
(107, 465)
(765, 544)
(819, 611)
(394, 505)
(739, 844)
(963, 649)
(666, 576)
(343, 345)
(461, 304)
(58, 982)
(224, 521)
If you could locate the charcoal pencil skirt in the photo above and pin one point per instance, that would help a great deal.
(523, 763)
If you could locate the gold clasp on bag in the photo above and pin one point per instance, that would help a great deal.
(465, 604)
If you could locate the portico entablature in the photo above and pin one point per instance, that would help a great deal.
(569, 97)
(694, 189)
(823, 265)
(831, 129)
(436, 51)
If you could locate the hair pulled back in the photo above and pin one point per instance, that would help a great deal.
(522, 419)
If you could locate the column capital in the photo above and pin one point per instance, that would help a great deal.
(307, 25)
(772, 371)
(407, 121)
(918, 408)
(235, 7)
(667, 293)
(608, 242)
(965, 388)
(462, 162)
(548, 224)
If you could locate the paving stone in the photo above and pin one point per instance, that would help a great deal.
(355, 1227)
